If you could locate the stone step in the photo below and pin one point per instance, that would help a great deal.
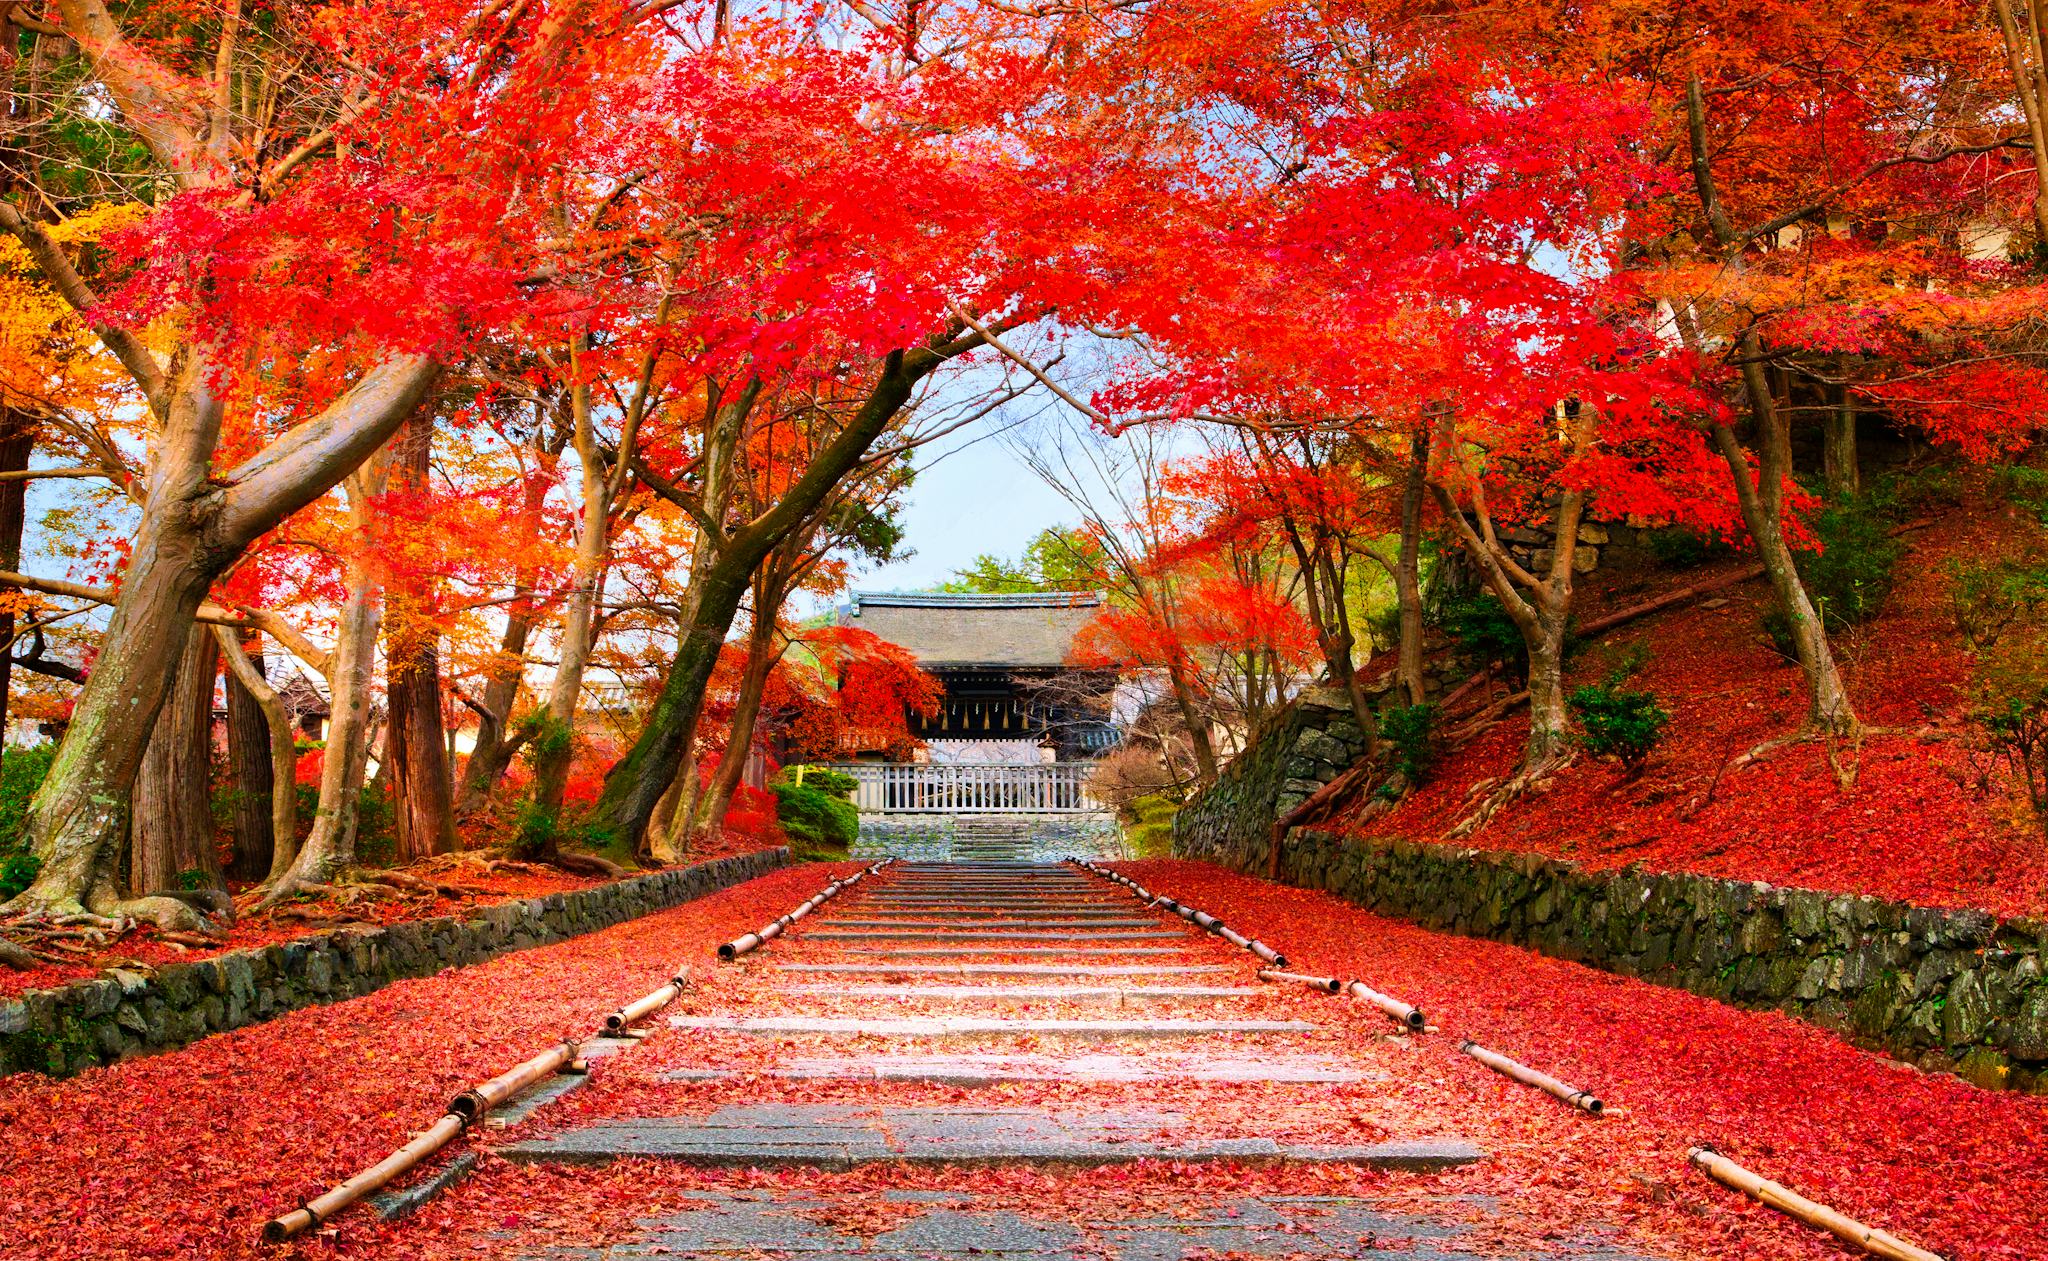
(1079, 995)
(1007, 969)
(988, 934)
(990, 1070)
(984, 1026)
(1070, 951)
(988, 924)
(955, 1225)
(843, 1136)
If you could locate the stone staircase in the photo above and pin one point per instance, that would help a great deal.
(1023, 980)
(995, 840)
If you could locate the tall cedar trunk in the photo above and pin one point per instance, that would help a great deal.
(331, 845)
(1408, 573)
(281, 746)
(249, 765)
(1839, 463)
(725, 781)
(17, 442)
(416, 746)
(171, 821)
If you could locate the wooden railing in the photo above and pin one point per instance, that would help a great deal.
(971, 787)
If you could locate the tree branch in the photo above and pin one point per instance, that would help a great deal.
(71, 286)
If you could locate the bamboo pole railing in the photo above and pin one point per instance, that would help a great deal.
(1396, 1010)
(463, 1111)
(1201, 919)
(1840, 1225)
(762, 936)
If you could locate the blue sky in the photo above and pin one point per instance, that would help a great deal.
(971, 496)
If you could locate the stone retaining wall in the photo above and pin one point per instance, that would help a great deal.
(1305, 746)
(1944, 989)
(122, 1014)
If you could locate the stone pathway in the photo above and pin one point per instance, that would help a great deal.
(1021, 977)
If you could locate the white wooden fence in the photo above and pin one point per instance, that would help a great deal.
(971, 787)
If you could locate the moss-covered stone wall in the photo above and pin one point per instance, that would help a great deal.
(1307, 745)
(127, 1013)
(1956, 990)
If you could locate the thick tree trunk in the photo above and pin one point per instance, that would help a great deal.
(1197, 723)
(1408, 574)
(195, 522)
(171, 845)
(281, 744)
(251, 771)
(416, 746)
(417, 752)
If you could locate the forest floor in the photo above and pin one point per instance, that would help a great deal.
(185, 1154)
(463, 883)
(1922, 823)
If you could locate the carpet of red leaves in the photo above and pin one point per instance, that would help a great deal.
(1915, 828)
(184, 1155)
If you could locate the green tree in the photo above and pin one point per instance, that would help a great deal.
(1058, 559)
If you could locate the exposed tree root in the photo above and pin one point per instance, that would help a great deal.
(17, 957)
(590, 865)
(1529, 779)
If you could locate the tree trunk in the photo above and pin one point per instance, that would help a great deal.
(416, 746)
(252, 771)
(556, 746)
(1197, 723)
(416, 752)
(495, 746)
(171, 818)
(1838, 450)
(281, 744)
(639, 779)
(17, 442)
(1408, 573)
(196, 521)
(331, 845)
(1762, 502)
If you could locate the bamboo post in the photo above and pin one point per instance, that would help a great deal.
(1201, 919)
(462, 1111)
(641, 1008)
(1327, 984)
(755, 940)
(481, 1098)
(1397, 1011)
(1848, 1229)
(324, 1206)
(1544, 1082)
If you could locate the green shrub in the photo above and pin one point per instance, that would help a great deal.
(1619, 722)
(1483, 633)
(18, 872)
(376, 827)
(2026, 488)
(1678, 547)
(2009, 702)
(1987, 599)
(812, 803)
(1901, 497)
(21, 773)
(1151, 835)
(1411, 732)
